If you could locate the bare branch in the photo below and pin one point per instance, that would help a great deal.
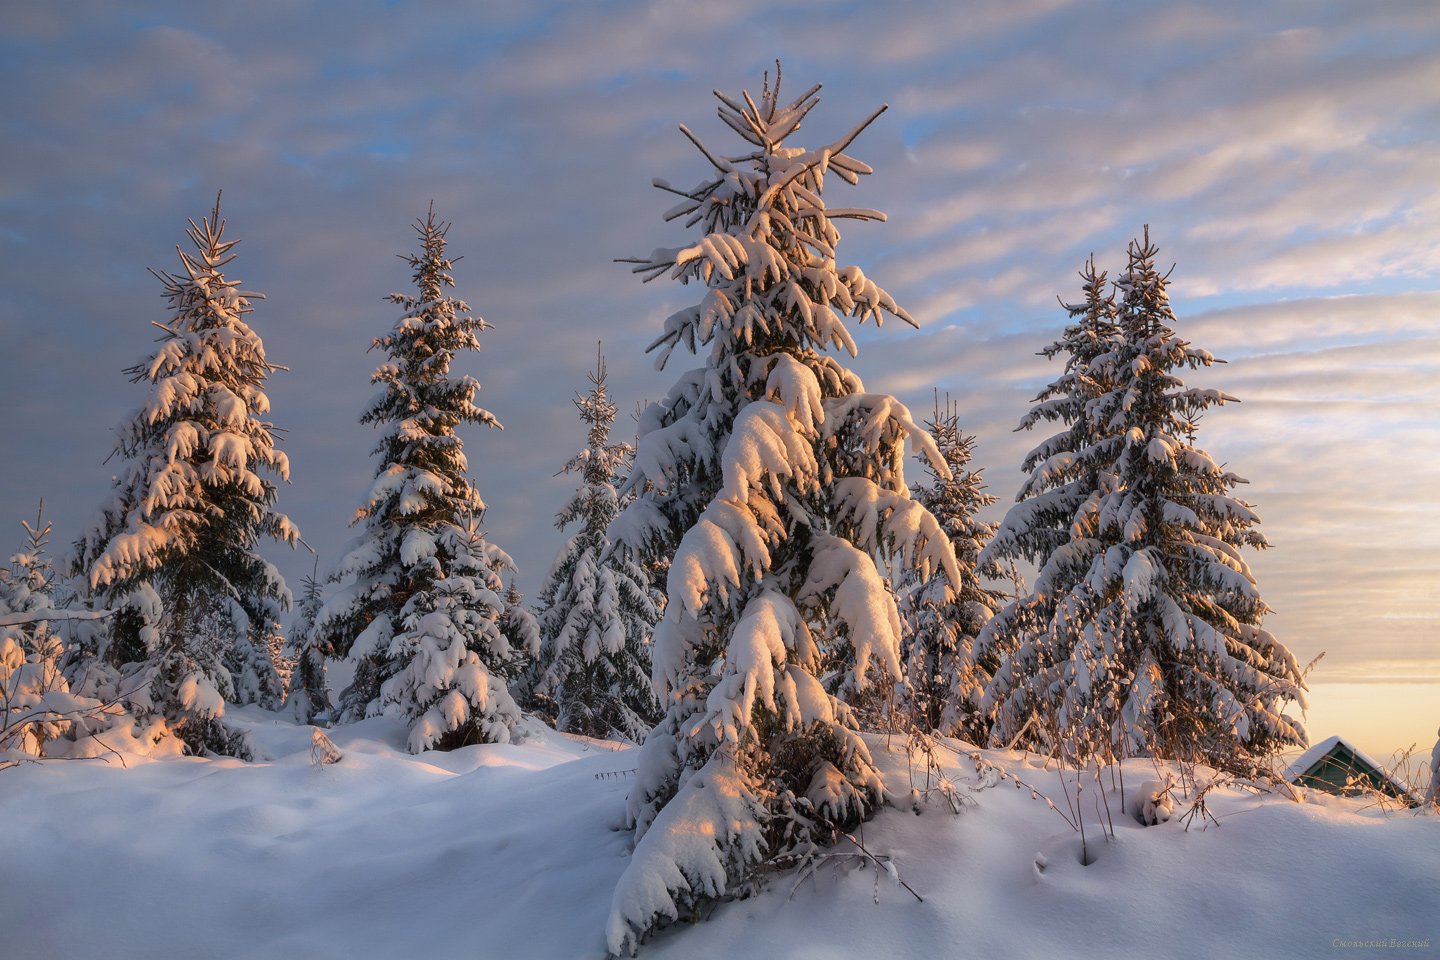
(717, 163)
(840, 145)
(42, 614)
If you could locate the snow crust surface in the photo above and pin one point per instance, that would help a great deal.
(514, 851)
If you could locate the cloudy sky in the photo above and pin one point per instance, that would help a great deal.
(1285, 156)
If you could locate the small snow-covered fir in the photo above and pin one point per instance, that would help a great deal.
(419, 604)
(944, 680)
(597, 606)
(452, 660)
(36, 706)
(308, 695)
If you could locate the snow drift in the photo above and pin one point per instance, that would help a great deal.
(513, 851)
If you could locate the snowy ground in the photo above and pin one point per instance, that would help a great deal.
(511, 852)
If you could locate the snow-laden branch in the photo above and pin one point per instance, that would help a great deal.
(43, 614)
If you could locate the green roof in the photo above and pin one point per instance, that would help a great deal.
(1336, 766)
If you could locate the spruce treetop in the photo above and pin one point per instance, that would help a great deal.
(422, 403)
(601, 464)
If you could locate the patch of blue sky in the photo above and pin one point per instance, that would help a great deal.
(917, 129)
(297, 159)
(638, 79)
(470, 39)
(1392, 40)
(387, 149)
(139, 23)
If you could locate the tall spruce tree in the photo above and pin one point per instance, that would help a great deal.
(945, 681)
(775, 481)
(597, 607)
(1039, 528)
(1158, 650)
(174, 550)
(419, 608)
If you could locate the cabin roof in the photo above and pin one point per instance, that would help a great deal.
(1307, 760)
(1340, 753)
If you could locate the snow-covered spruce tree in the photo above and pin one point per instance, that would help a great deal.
(41, 716)
(1068, 471)
(597, 611)
(775, 480)
(308, 697)
(454, 658)
(520, 628)
(35, 701)
(419, 606)
(1158, 650)
(260, 671)
(174, 550)
(944, 681)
